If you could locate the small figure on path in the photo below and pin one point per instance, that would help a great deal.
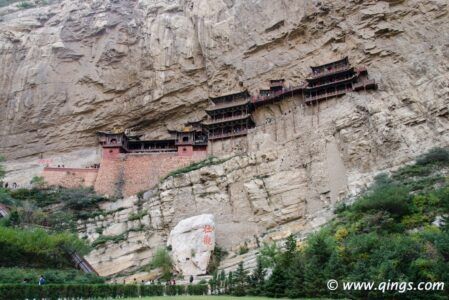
(42, 280)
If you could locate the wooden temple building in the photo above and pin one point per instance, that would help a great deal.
(191, 138)
(277, 91)
(229, 116)
(335, 79)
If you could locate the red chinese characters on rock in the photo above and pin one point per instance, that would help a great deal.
(207, 239)
(208, 229)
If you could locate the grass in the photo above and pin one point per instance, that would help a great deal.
(103, 239)
(204, 298)
(210, 161)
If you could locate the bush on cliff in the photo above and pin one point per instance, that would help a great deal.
(388, 234)
(162, 259)
(37, 248)
(53, 276)
(210, 161)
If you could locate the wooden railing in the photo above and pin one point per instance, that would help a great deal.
(227, 119)
(226, 135)
(364, 84)
(154, 150)
(327, 72)
(273, 95)
(326, 95)
(228, 104)
(331, 83)
(81, 263)
(4, 212)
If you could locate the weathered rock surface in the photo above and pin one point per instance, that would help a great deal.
(192, 242)
(70, 69)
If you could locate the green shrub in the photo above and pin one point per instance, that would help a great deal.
(80, 198)
(94, 291)
(25, 5)
(269, 255)
(152, 290)
(5, 198)
(243, 249)
(413, 171)
(210, 161)
(54, 276)
(137, 216)
(103, 239)
(36, 248)
(197, 289)
(173, 290)
(217, 255)
(434, 156)
(37, 182)
(163, 260)
(388, 197)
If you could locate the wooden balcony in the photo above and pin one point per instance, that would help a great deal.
(228, 135)
(331, 71)
(228, 119)
(369, 84)
(194, 143)
(277, 83)
(331, 83)
(324, 96)
(228, 105)
(259, 100)
(153, 150)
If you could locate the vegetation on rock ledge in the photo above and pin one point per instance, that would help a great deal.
(397, 230)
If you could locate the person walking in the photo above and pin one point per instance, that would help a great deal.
(42, 280)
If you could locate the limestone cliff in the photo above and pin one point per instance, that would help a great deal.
(72, 68)
(75, 67)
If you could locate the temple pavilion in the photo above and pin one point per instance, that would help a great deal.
(335, 79)
(229, 116)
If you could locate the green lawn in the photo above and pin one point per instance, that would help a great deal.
(201, 298)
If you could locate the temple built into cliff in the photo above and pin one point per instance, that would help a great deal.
(228, 117)
(335, 79)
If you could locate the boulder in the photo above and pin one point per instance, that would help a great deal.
(192, 242)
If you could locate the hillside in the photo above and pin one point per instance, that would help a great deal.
(196, 131)
(70, 69)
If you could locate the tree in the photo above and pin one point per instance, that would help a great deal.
(38, 182)
(277, 283)
(229, 283)
(163, 260)
(290, 251)
(240, 281)
(269, 255)
(295, 282)
(317, 253)
(257, 279)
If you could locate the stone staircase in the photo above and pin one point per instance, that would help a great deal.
(82, 264)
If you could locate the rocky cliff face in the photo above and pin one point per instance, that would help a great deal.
(73, 68)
